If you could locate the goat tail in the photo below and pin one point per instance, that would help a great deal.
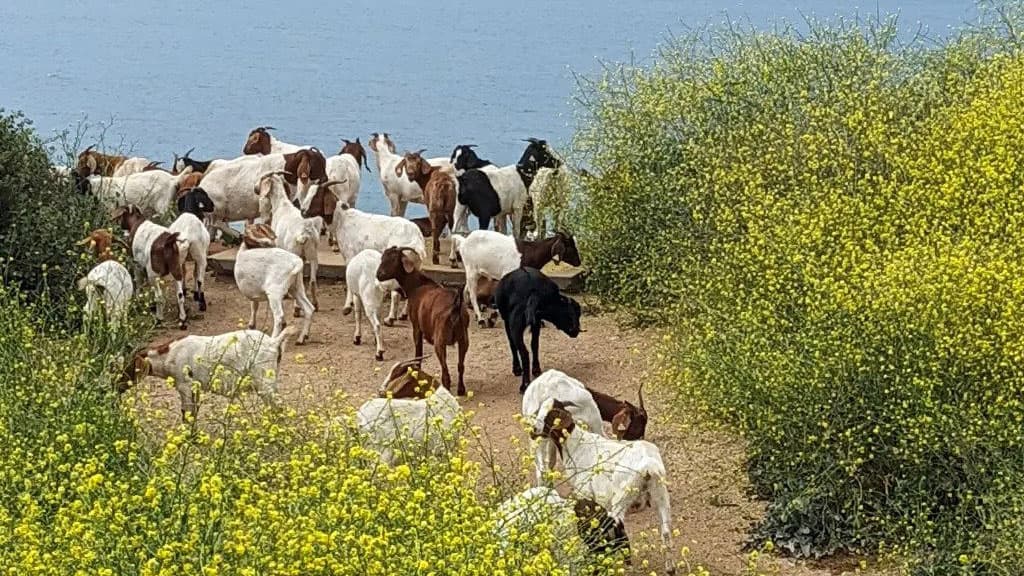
(456, 324)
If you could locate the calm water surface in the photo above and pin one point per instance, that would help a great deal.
(173, 75)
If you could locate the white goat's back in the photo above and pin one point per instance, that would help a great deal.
(560, 386)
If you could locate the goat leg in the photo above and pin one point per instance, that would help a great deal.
(535, 346)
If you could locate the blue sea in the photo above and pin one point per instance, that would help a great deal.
(162, 77)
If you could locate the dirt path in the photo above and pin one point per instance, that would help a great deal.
(709, 505)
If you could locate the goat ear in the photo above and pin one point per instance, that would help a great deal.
(400, 167)
(408, 263)
(621, 422)
(557, 249)
(90, 161)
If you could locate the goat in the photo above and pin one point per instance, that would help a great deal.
(190, 229)
(151, 191)
(484, 254)
(260, 141)
(435, 312)
(580, 519)
(265, 273)
(584, 408)
(525, 298)
(229, 183)
(342, 168)
(356, 231)
(218, 363)
(91, 162)
(560, 247)
(108, 286)
(620, 476)
(298, 235)
(365, 294)
(399, 188)
(181, 162)
(134, 165)
(423, 222)
(629, 422)
(510, 184)
(439, 190)
(304, 168)
(549, 195)
(412, 411)
(157, 251)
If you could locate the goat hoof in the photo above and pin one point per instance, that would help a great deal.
(202, 305)
(453, 264)
(537, 371)
(522, 389)
(346, 310)
(252, 326)
(335, 249)
(403, 317)
(389, 321)
(316, 307)
(357, 340)
(183, 325)
(517, 371)
(379, 356)
(297, 313)
(481, 323)
(301, 341)
(491, 323)
(461, 392)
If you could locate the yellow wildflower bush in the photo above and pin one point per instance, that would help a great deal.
(829, 227)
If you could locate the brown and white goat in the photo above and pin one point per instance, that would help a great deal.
(91, 162)
(629, 422)
(439, 190)
(156, 250)
(435, 312)
(560, 247)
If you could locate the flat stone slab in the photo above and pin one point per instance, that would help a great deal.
(332, 266)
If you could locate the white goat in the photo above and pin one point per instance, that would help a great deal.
(406, 424)
(484, 253)
(265, 273)
(134, 165)
(365, 294)
(230, 185)
(398, 187)
(223, 364)
(620, 476)
(298, 235)
(158, 251)
(153, 191)
(343, 169)
(108, 287)
(191, 230)
(555, 384)
(357, 231)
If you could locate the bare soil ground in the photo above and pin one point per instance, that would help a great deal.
(710, 505)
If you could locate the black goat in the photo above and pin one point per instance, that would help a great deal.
(195, 201)
(477, 193)
(525, 299)
(464, 158)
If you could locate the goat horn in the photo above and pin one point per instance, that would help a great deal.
(420, 151)
(91, 146)
(330, 183)
(189, 152)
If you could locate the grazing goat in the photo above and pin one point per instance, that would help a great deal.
(265, 273)
(399, 188)
(416, 416)
(365, 294)
(156, 250)
(260, 141)
(108, 286)
(581, 519)
(526, 298)
(298, 235)
(629, 422)
(485, 254)
(218, 363)
(585, 410)
(152, 191)
(356, 231)
(478, 186)
(439, 190)
(181, 162)
(91, 162)
(620, 476)
(435, 312)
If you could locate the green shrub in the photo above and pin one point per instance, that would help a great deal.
(41, 218)
(830, 223)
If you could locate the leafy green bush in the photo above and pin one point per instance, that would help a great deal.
(830, 225)
(41, 218)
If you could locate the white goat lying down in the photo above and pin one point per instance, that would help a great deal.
(408, 422)
(620, 476)
(577, 527)
(555, 384)
(227, 360)
(265, 273)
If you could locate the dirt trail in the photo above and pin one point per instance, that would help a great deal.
(710, 509)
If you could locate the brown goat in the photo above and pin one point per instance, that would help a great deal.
(629, 422)
(356, 150)
(438, 186)
(189, 182)
(304, 167)
(408, 380)
(100, 241)
(435, 312)
(91, 162)
(258, 141)
(560, 248)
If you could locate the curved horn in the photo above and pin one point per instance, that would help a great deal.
(91, 146)
(189, 152)
(266, 128)
(330, 183)
(532, 140)
(420, 151)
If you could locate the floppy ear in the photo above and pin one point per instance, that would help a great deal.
(90, 161)
(620, 423)
(557, 249)
(410, 261)
(400, 167)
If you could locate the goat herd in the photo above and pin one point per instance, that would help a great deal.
(300, 195)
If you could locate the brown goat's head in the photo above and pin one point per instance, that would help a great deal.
(259, 236)
(92, 162)
(99, 241)
(564, 249)
(417, 169)
(407, 380)
(127, 216)
(324, 202)
(397, 262)
(258, 141)
(557, 423)
(356, 150)
(630, 422)
(137, 368)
